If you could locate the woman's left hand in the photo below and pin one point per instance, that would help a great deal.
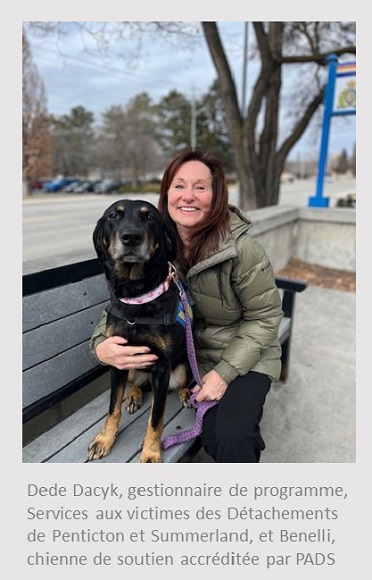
(214, 388)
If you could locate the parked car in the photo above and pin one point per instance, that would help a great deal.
(107, 185)
(57, 184)
(37, 184)
(71, 186)
(84, 186)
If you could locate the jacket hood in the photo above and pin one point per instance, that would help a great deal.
(239, 225)
(239, 221)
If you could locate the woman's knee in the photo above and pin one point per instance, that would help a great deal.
(239, 449)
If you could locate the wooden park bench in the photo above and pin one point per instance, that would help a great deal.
(65, 390)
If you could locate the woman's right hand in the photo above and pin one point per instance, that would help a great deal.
(116, 352)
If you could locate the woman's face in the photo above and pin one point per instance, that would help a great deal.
(190, 195)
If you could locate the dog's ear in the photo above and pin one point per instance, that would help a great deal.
(170, 241)
(98, 240)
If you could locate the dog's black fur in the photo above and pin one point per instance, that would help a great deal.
(135, 245)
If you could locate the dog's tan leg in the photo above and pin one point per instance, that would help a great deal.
(103, 442)
(177, 381)
(133, 399)
(184, 394)
(151, 451)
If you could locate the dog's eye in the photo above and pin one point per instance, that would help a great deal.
(150, 217)
(113, 215)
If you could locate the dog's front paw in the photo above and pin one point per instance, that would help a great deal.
(151, 448)
(100, 447)
(184, 394)
(150, 456)
(133, 400)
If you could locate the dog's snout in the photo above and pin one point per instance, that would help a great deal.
(134, 238)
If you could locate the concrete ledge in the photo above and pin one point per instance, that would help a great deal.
(276, 228)
(272, 218)
(322, 236)
(327, 237)
(329, 215)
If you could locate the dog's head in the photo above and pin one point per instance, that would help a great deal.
(133, 232)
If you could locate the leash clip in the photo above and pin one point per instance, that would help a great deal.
(173, 274)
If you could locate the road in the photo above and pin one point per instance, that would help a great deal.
(58, 224)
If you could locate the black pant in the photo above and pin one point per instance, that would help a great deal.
(231, 432)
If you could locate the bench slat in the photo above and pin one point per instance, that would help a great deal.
(49, 305)
(64, 433)
(45, 342)
(46, 378)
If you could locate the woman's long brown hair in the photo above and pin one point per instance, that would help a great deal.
(206, 235)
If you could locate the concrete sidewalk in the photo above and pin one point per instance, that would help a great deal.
(312, 418)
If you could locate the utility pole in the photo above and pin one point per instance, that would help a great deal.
(193, 122)
(245, 66)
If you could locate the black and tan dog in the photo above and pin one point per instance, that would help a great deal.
(136, 246)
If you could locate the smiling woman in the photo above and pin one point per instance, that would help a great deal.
(194, 196)
(236, 304)
(190, 196)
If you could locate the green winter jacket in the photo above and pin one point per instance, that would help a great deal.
(236, 305)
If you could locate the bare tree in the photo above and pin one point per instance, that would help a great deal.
(36, 139)
(259, 157)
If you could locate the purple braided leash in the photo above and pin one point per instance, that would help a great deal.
(203, 406)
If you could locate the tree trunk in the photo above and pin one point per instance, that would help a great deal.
(259, 164)
(233, 115)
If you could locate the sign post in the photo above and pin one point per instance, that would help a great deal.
(340, 99)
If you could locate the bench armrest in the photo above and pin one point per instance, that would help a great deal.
(291, 284)
(290, 287)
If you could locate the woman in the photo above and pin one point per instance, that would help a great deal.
(236, 306)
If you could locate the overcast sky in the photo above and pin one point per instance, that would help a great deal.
(73, 76)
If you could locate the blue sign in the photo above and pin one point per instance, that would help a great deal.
(340, 99)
